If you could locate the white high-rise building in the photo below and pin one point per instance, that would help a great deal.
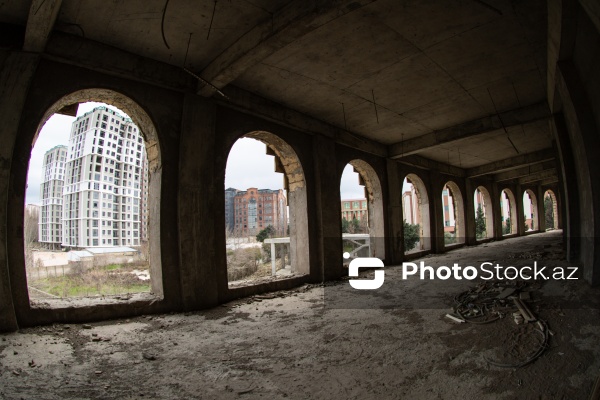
(51, 193)
(105, 189)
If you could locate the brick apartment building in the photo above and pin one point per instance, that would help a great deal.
(354, 208)
(255, 209)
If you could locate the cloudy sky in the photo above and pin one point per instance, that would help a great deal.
(247, 165)
(55, 132)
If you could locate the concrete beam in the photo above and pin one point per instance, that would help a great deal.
(475, 127)
(85, 53)
(426, 163)
(548, 181)
(539, 176)
(250, 103)
(525, 171)
(42, 16)
(287, 25)
(512, 163)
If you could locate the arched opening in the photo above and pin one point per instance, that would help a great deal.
(265, 211)
(550, 210)
(415, 206)
(362, 211)
(96, 161)
(508, 208)
(484, 216)
(530, 211)
(453, 214)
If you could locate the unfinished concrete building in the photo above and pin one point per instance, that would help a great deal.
(496, 98)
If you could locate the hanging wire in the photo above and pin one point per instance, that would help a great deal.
(162, 25)
(211, 19)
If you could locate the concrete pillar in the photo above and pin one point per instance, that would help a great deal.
(395, 220)
(519, 210)
(583, 136)
(568, 193)
(470, 236)
(495, 195)
(541, 213)
(201, 211)
(437, 210)
(328, 210)
(16, 75)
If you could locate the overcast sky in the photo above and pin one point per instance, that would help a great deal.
(54, 132)
(247, 165)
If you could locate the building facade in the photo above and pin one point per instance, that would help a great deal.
(255, 209)
(51, 195)
(230, 194)
(354, 209)
(448, 204)
(105, 188)
(410, 204)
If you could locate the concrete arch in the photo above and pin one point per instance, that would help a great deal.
(482, 196)
(374, 196)
(458, 206)
(421, 211)
(549, 193)
(295, 184)
(533, 205)
(507, 199)
(148, 131)
(129, 106)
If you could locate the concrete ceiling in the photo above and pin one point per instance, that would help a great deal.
(448, 73)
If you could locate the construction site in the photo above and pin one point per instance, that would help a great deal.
(473, 127)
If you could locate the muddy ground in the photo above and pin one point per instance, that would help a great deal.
(318, 342)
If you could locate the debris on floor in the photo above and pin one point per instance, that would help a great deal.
(492, 301)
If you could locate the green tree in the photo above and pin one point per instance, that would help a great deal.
(345, 225)
(411, 235)
(480, 228)
(507, 228)
(355, 225)
(449, 238)
(549, 212)
(268, 232)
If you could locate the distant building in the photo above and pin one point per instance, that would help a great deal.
(410, 206)
(255, 209)
(448, 204)
(355, 209)
(230, 208)
(51, 194)
(106, 184)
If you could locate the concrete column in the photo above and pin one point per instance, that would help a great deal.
(437, 213)
(395, 220)
(495, 195)
(519, 210)
(328, 210)
(16, 75)
(201, 211)
(273, 259)
(585, 145)
(568, 192)
(470, 236)
(541, 212)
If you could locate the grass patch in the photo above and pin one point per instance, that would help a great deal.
(113, 279)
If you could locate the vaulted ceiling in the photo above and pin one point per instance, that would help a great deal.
(460, 82)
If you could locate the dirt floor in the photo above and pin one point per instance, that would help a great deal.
(319, 342)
